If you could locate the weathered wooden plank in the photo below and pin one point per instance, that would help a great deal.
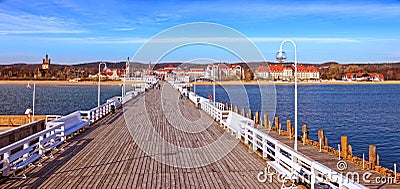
(105, 156)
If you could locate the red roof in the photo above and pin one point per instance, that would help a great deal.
(263, 69)
(361, 74)
(312, 69)
(276, 68)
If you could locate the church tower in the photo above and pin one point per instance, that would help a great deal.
(46, 63)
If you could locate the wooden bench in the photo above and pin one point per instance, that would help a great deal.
(22, 159)
(236, 123)
(72, 123)
(50, 143)
(283, 166)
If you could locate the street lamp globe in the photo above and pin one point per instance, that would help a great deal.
(281, 56)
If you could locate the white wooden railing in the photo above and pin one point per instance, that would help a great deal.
(37, 144)
(10, 154)
(312, 171)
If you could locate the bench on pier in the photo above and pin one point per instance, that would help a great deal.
(235, 121)
(286, 168)
(24, 158)
(72, 123)
(50, 143)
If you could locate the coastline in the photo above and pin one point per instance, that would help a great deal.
(236, 82)
(50, 82)
(262, 82)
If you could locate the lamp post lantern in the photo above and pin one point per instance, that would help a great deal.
(281, 57)
(98, 84)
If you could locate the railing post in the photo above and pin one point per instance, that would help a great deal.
(6, 163)
(40, 145)
(264, 147)
(312, 176)
(254, 141)
(239, 132)
(26, 155)
(246, 135)
(63, 137)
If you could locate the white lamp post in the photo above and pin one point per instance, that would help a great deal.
(126, 72)
(98, 84)
(214, 86)
(281, 57)
(33, 99)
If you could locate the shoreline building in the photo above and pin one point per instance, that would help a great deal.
(280, 72)
(46, 63)
(363, 77)
(224, 72)
(44, 70)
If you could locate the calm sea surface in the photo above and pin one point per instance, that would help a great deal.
(52, 99)
(367, 114)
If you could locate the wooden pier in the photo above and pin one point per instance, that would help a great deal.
(106, 156)
(331, 161)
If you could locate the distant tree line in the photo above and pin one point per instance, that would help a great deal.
(390, 71)
(329, 70)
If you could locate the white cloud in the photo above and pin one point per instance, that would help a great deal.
(124, 29)
(21, 22)
(110, 40)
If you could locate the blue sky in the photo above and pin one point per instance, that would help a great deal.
(82, 31)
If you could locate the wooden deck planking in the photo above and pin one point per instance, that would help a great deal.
(105, 156)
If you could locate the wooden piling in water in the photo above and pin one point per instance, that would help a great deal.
(326, 142)
(288, 128)
(266, 121)
(250, 116)
(231, 109)
(292, 135)
(236, 109)
(377, 160)
(227, 106)
(243, 112)
(321, 137)
(257, 119)
(345, 145)
(304, 133)
(372, 156)
(276, 122)
(350, 150)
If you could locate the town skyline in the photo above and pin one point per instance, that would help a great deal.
(74, 32)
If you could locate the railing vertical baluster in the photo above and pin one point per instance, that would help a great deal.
(6, 163)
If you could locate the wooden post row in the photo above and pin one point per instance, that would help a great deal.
(257, 119)
(289, 128)
(372, 156)
(266, 121)
(276, 122)
(250, 116)
(345, 145)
